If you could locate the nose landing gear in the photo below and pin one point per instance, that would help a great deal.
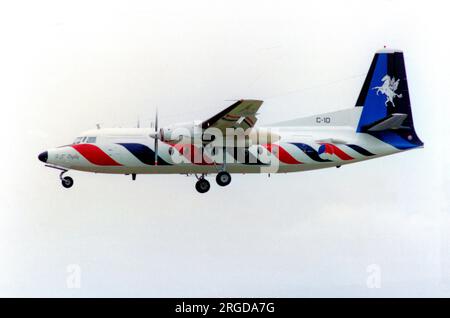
(67, 182)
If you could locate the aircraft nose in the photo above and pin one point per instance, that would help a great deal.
(43, 156)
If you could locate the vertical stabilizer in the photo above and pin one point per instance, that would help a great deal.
(386, 112)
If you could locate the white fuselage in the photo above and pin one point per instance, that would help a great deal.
(131, 151)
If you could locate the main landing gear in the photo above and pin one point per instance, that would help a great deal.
(202, 185)
(223, 178)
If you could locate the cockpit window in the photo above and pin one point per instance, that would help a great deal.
(82, 140)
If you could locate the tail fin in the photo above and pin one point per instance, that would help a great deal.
(386, 112)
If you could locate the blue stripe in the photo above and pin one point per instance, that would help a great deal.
(361, 150)
(144, 154)
(310, 152)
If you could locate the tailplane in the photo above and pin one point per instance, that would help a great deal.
(384, 98)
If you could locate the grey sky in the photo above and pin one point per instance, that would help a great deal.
(66, 66)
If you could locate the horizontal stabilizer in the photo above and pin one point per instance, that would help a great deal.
(394, 121)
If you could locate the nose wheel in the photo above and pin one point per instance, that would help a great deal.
(67, 182)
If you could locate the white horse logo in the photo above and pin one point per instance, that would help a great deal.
(388, 88)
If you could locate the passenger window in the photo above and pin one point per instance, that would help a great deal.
(77, 140)
(91, 140)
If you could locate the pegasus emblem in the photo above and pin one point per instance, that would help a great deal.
(388, 88)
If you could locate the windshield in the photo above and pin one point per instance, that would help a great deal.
(82, 140)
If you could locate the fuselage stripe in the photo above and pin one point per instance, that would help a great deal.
(143, 153)
(360, 150)
(310, 152)
(95, 155)
(282, 154)
(334, 150)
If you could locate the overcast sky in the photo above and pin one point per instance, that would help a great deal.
(66, 66)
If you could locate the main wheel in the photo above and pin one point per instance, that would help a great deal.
(202, 185)
(223, 178)
(67, 182)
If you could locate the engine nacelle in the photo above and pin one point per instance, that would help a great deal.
(180, 133)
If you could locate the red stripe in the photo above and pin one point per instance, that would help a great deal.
(334, 150)
(283, 155)
(342, 155)
(95, 155)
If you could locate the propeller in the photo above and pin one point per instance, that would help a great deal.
(156, 137)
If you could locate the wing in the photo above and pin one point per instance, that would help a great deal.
(241, 114)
